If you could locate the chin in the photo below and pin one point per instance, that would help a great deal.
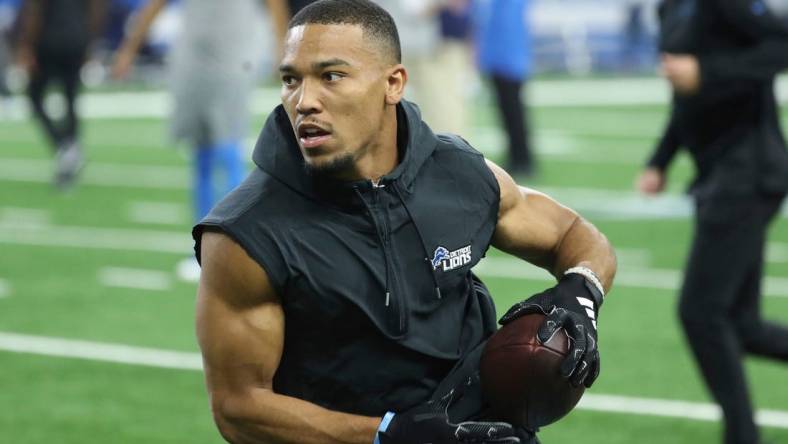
(336, 165)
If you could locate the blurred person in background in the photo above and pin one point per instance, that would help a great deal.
(8, 10)
(435, 45)
(721, 57)
(453, 68)
(635, 36)
(54, 40)
(503, 52)
(215, 64)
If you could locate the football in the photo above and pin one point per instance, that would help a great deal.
(521, 378)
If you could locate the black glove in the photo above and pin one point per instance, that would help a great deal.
(526, 436)
(562, 306)
(429, 424)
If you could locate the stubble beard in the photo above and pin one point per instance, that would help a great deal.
(341, 166)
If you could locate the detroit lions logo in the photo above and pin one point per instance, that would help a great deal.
(449, 260)
(440, 254)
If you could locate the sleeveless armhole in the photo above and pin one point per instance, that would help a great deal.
(485, 171)
(241, 216)
(260, 246)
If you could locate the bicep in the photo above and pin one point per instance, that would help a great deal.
(530, 224)
(239, 322)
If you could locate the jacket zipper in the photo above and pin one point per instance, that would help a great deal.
(392, 295)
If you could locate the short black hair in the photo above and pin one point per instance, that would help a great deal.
(376, 22)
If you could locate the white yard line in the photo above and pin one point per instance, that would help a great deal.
(618, 91)
(135, 278)
(601, 203)
(96, 238)
(150, 357)
(673, 409)
(99, 173)
(97, 351)
(654, 278)
(777, 252)
(634, 257)
(634, 275)
(25, 216)
(159, 213)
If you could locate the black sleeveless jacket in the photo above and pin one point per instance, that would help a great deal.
(375, 281)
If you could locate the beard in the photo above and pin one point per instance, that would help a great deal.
(336, 168)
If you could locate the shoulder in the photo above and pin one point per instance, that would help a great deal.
(453, 143)
(230, 273)
(253, 217)
(455, 152)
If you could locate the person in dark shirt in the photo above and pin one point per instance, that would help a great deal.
(336, 301)
(55, 38)
(721, 56)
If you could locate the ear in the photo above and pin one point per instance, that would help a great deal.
(396, 79)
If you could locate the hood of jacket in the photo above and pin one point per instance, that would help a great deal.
(278, 154)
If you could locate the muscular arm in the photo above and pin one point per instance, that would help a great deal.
(536, 228)
(240, 329)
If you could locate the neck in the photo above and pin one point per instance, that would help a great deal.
(381, 157)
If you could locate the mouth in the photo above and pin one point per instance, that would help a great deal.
(312, 136)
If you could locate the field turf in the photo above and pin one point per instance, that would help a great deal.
(97, 264)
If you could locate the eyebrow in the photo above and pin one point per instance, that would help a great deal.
(317, 66)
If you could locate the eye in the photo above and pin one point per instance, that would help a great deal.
(332, 76)
(288, 80)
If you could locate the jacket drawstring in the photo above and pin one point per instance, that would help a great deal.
(421, 239)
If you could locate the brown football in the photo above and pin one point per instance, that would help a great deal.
(521, 378)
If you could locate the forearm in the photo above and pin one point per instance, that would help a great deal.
(142, 23)
(584, 246)
(667, 147)
(262, 416)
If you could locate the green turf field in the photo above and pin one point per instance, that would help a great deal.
(97, 265)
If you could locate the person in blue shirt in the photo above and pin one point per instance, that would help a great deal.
(503, 46)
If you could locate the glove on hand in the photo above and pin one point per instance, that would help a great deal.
(573, 304)
(429, 424)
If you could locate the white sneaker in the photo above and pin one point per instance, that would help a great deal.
(69, 162)
(188, 270)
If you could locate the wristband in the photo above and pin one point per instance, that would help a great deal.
(591, 277)
(384, 424)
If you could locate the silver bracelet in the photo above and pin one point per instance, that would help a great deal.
(590, 275)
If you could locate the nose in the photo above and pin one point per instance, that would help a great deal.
(308, 98)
